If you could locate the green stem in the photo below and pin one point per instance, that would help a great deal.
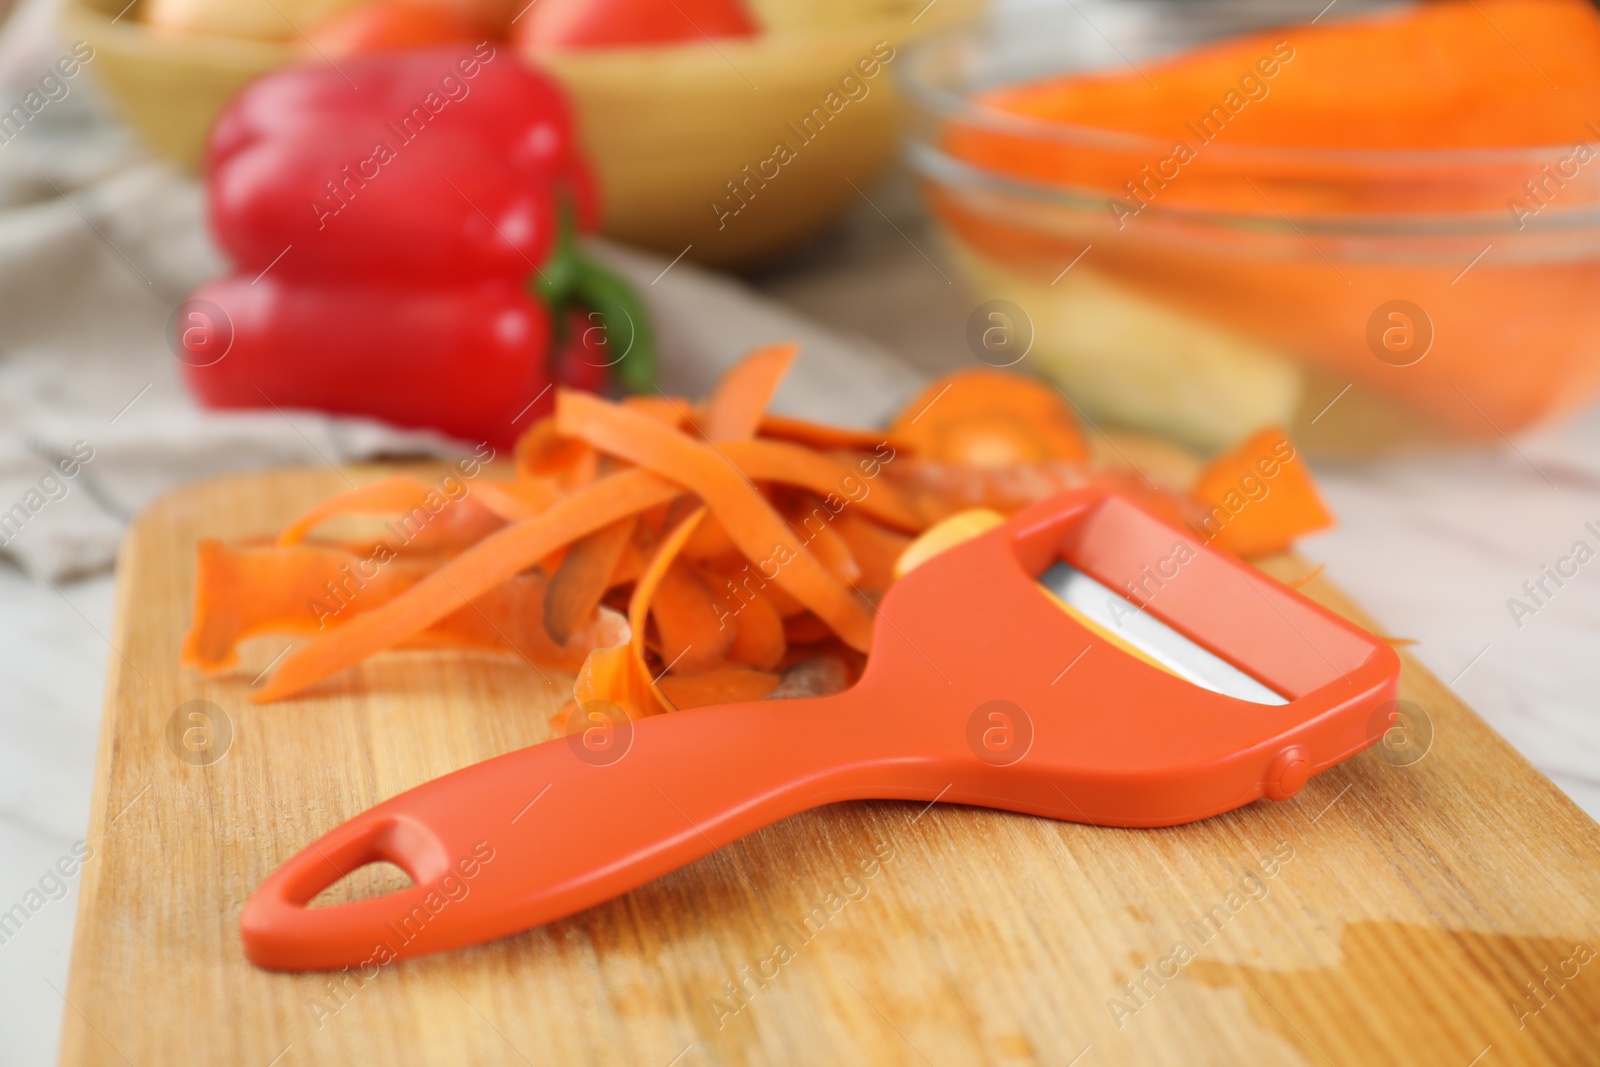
(555, 281)
(570, 277)
(627, 324)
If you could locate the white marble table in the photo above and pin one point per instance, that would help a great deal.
(52, 675)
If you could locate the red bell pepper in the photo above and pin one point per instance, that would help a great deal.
(402, 228)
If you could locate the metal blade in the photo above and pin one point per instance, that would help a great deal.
(1122, 621)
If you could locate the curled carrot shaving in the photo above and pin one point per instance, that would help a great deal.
(738, 581)
(400, 492)
(873, 548)
(827, 438)
(1259, 497)
(990, 418)
(632, 563)
(425, 516)
(583, 577)
(644, 591)
(493, 560)
(821, 538)
(805, 629)
(607, 677)
(710, 542)
(723, 685)
(758, 639)
(508, 618)
(669, 411)
(755, 527)
(518, 500)
(839, 483)
(735, 409)
(542, 453)
(299, 590)
(693, 636)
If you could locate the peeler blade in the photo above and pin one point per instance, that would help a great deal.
(1127, 623)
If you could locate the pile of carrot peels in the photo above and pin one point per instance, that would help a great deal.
(676, 555)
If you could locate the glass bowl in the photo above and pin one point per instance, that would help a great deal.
(1365, 299)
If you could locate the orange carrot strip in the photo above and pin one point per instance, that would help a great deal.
(583, 578)
(607, 676)
(518, 500)
(475, 571)
(635, 557)
(664, 409)
(758, 638)
(990, 418)
(874, 548)
(619, 675)
(543, 453)
(603, 675)
(805, 629)
(724, 685)
(428, 514)
(306, 589)
(399, 492)
(755, 527)
(710, 542)
(509, 618)
(735, 409)
(299, 589)
(693, 635)
(1260, 497)
(831, 549)
(644, 590)
(825, 438)
(526, 497)
(780, 461)
(737, 581)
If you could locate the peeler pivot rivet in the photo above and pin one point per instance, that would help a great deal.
(1287, 774)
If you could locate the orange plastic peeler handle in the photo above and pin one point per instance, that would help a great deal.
(537, 834)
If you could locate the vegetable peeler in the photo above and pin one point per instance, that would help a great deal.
(1021, 667)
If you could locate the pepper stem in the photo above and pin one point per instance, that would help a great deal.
(570, 277)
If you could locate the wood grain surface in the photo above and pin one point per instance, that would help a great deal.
(1439, 910)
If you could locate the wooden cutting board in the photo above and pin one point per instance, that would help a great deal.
(1440, 910)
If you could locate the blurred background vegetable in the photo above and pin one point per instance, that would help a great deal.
(390, 246)
(668, 125)
(557, 24)
(381, 25)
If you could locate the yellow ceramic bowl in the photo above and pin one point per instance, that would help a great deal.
(670, 131)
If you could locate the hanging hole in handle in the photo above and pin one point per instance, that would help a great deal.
(318, 873)
(367, 882)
